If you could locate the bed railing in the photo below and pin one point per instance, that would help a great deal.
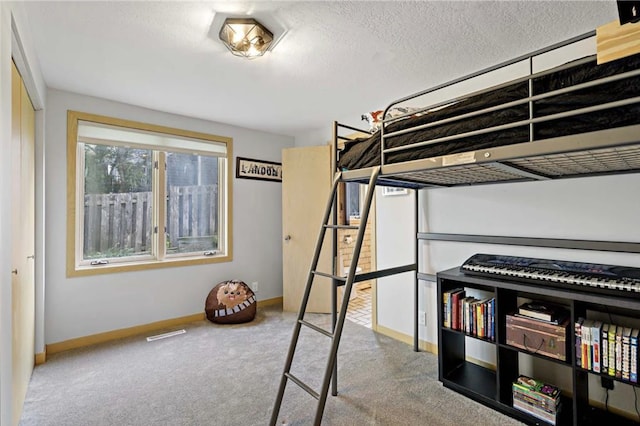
(534, 130)
(385, 135)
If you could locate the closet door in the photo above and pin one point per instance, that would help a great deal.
(306, 183)
(23, 229)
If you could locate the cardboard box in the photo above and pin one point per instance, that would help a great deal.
(538, 336)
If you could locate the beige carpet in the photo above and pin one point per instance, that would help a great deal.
(228, 375)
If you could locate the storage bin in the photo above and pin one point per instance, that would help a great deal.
(539, 337)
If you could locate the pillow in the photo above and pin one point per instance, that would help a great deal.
(375, 118)
(230, 302)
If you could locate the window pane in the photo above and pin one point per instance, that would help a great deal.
(117, 201)
(192, 204)
(353, 199)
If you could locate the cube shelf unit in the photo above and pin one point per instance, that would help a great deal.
(493, 387)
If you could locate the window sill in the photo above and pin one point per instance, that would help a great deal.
(87, 270)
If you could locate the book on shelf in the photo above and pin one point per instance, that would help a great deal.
(596, 331)
(472, 315)
(538, 387)
(626, 350)
(543, 311)
(619, 352)
(535, 411)
(633, 357)
(455, 308)
(586, 344)
(479, 322)
(543, 407)
(525, 396)
(482, 317)
(466, 320)
(554, 322)
(578, 334)
(604, 348)
(612, 350)
(447, 305)
(547, 402)
(491, 320)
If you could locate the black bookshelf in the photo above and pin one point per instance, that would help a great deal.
(493, 387)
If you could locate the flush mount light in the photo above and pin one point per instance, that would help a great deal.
(245, 37)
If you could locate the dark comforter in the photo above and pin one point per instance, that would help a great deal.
(365, 152)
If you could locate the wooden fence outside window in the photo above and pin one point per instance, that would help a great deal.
(121, 224)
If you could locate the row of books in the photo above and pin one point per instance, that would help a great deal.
(607, 348)
(469, 314)
(537, 398)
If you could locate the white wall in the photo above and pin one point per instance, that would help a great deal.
(87, 305)
(395, 246)
(320, 136)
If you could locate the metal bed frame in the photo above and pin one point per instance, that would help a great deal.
(608, 151)
(615, 150)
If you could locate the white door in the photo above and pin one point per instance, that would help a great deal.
(23, 229)
(306, 183)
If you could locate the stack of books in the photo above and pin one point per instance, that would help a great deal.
(543, 312)
(539, 399)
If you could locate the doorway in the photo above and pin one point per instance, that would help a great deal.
(361, 306)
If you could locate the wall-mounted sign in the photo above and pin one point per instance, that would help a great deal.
(248, 168)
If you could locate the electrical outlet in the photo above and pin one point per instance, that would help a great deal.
(606, 382)
(422, 318)
(254, 286)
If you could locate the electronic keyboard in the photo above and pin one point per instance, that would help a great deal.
(607, 279)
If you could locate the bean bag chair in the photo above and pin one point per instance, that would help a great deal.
(230, 302)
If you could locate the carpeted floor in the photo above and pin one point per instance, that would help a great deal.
(228, 375)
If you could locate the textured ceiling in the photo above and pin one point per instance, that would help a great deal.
(336, 61)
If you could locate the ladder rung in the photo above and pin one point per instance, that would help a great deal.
(323, 274)
(303, 385)
(342, 226)
(316, 328)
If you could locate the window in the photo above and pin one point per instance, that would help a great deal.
(353, 199)
(145, 196)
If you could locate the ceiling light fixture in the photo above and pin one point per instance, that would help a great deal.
(245, 37)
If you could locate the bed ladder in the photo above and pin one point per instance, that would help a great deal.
(336, 277)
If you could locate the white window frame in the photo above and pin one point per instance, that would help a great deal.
(90, 128)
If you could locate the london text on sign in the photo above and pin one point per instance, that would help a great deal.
(248, 168)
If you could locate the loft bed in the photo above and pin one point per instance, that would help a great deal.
(565, 120)
(552, 121)
(575, 119)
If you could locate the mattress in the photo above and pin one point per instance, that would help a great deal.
(365, 152)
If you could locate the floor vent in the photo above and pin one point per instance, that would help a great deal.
(165, 335)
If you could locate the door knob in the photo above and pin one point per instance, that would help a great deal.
(33, 256)
(14, 271)
(287, 238)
